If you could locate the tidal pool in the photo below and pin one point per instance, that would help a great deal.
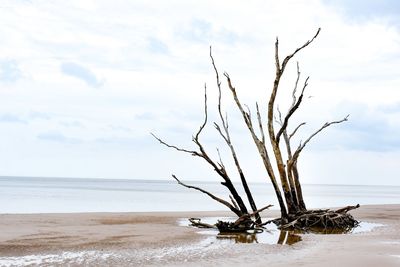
(271, 235)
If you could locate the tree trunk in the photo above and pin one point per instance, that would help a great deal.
(299, 191)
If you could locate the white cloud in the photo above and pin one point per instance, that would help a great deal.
(82, 73)
(154, 57)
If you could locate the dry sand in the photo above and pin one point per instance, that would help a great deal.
(155, 239)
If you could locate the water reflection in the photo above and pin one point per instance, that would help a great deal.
(288, 238)
(269, 237)
(272, 235)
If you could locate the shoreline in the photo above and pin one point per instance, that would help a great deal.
(156, 238)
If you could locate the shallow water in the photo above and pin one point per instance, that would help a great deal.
(212, 246)
(272, 235)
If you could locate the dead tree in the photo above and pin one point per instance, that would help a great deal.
(237, 204)
(286, 181)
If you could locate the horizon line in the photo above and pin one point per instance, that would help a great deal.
(170, 180)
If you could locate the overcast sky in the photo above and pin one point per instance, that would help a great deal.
(83, 83)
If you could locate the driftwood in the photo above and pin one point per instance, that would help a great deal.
(280, 160)
(197, 223)
(322, 219)
(243, 224)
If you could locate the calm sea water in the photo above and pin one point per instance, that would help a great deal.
(43, 195)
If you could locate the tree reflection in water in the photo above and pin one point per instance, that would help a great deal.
(285, 237)
(288, 238)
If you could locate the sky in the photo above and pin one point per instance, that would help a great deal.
(84, 83)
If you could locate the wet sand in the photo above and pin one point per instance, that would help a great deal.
(155, 239)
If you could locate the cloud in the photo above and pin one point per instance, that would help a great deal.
(391, 108)
(9, 71)
(82, 73)
(146, 116)
(367, 10)
(58, 138)
(156, 46)
(39, 115)
(10, 118)
(368, 130)
(74, 123)
(203, 31)
(120, 128)
(156, 61)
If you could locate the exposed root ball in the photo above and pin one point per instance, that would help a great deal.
(322, 219)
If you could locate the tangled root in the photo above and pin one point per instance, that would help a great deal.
(317, 221)
(327, 221)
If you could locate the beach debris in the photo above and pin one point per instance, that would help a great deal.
(197, 223)
(323, 219)
(280, 159)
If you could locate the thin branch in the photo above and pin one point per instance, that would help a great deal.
(295, 85)
(218, 128)
(327, 124)
(248, 111)
(286, 60)
(224, 123)
(245, 115)
(205, 113)
(277, 63)
(192, 152)
(295, 130)
(279, 119)
(291, 112)
(220, 159)
(234, 202)
(220, 200)
(260, 124)
(253, 213)
(262, 209)
(348, 208)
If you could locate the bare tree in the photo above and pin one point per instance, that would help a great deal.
(286, 180)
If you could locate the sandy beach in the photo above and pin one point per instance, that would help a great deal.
(155, 239)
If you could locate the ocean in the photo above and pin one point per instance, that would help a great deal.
(65, 195)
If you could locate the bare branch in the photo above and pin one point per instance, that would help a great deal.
(205, 113)
(260, 125)
(286, 60)
(234, 202)
(220, 159)
(248, 111)
(244, 216)
(262, 209)
(220, 200)
(218, 128)
(224, 123)
(348, 208)
(327, 124)
(291, 112)
(192, 152)
(245, 115)
(295, 85)
(279, 119)
(295, 130)
(277, 63)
